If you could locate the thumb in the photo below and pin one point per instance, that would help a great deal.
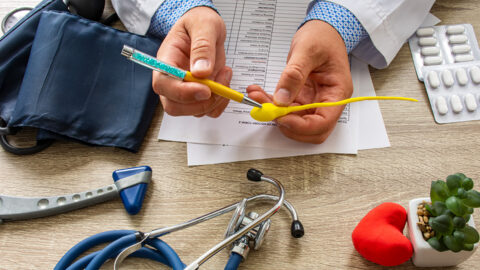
(293, 77)
(203, 38)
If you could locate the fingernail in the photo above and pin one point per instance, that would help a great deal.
(282, 97)
(200, 65)
(202, 95)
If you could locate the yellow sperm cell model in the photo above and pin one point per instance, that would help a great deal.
(270, 112)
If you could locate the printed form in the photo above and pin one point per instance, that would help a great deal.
(371, 131)
(259, 33)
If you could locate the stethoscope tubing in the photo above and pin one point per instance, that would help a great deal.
(112, 236)
(234, 261)
(115, 247)
(119, 239)
(144, 252)
(86, 244)
(124, 239)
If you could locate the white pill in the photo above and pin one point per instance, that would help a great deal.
(426, 51)
(441, 105)
(457, 39)
(427, 41)
(447, 78)
(433, 79)
(470, 102)
(432, 60)
(463, 57)
(427, 31)
(462, 77)
(455, 29)
(475, 74)
(456, 103)
(464, 48)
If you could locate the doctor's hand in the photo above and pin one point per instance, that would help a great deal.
(317, 71)
(194, 43)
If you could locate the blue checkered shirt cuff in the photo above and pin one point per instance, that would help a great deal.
(169, 12)
(340, 18)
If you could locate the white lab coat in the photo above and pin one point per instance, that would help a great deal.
(389, 23)
(136, 14)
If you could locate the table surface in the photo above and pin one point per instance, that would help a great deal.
(331, 192)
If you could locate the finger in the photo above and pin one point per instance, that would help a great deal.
(293, 76)
(179, 91)
(315, 139)
(175, 48)
(254, 87)
(256, 93)
(224, 77)
(219, 107)
(318, 124)
(204, 37)
(290, 122)
(179, 109)
(219, 60)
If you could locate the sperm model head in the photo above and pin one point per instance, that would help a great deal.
(268, 112)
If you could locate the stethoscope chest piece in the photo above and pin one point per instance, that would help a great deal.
(240, 219)
(261, 231)
(237, 218)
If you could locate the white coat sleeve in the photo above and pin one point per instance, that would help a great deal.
(136, 14)
(389, 24)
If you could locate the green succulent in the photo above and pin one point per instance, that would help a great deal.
(452, 205)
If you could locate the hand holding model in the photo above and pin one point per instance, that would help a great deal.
(317, 71)
(198, 46)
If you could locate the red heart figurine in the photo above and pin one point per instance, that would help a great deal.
(379, 235)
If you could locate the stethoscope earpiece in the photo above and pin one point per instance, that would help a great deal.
(254, 175)
(297, 229)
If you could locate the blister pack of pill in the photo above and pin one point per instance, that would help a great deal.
(443, 44)
(447, 60)
(454, 91)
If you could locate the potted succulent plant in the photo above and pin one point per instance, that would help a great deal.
(441, 228)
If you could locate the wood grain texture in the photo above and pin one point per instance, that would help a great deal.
(331, 192)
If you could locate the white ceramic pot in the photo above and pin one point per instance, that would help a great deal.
(423, 254)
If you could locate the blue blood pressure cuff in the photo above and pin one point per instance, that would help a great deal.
(78, 86)
(15, 48)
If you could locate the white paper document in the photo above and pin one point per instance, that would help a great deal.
(258, 41)
(371, 130)
(257, 44)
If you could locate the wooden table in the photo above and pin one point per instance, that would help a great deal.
(331, 192)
